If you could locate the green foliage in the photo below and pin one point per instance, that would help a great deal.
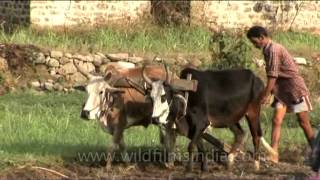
(314, 116)
(230, 50)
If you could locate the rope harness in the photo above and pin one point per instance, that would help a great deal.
(106, 104)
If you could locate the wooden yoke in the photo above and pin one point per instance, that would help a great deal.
(178, 84)
(184, 84)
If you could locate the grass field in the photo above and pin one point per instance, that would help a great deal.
(146, 38)
(46, 128)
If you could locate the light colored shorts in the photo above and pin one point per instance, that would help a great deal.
(304, 105)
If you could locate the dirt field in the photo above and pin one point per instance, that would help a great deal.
(289, 168)
(151, 171)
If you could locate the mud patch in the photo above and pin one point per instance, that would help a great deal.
(20, 70)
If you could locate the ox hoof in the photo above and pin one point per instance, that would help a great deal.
(256, 165)
(169, 165)
(108, 167)
(204, 168)
(273, 158)
(230, 161)
(126, 164)
(189, 168)
(130, 167)
(229, 165)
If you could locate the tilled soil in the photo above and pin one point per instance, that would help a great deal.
(156, 171)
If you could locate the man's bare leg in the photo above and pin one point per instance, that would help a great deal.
(304, 121)
(277, 120)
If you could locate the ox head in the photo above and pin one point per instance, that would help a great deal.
(100, 94)
(162, 95)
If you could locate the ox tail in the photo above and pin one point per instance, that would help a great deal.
(266, 145)
(257, 87)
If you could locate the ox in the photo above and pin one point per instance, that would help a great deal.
(120, 108)
(221, 100)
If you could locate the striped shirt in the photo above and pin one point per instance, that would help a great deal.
(290, 86)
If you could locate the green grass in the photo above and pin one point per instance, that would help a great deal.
(43, 127)
(146, 38)
(46, 128)
(134, 39)
(298, 41)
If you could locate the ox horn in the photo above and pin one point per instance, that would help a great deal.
(113, 89)
(145, 77)
(86, 74)
(184, 101)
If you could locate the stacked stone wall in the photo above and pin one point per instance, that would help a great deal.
(295, 15)
(70, 13)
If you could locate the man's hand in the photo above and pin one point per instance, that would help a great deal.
(265, 99)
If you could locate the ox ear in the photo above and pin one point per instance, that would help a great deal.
(175, 91)
(80, 88)
(107, 77)
(167, 84)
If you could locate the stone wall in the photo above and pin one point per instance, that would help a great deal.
(23, 66)
(66, 13)
(31, 66)
(299, 15)
(74, 12)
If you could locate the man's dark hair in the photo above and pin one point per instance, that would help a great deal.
(257, 31)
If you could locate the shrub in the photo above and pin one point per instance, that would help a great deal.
(230, 50)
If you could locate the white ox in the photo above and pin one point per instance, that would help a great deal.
(120, 108)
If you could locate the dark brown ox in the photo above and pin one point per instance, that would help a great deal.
(221, 100)
(120, 108)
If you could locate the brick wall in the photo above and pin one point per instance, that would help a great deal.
(300, 15)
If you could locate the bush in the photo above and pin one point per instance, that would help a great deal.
(230, 50)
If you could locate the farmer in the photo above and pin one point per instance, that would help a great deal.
(285, 83)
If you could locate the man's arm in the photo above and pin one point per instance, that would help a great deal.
(272, 70)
